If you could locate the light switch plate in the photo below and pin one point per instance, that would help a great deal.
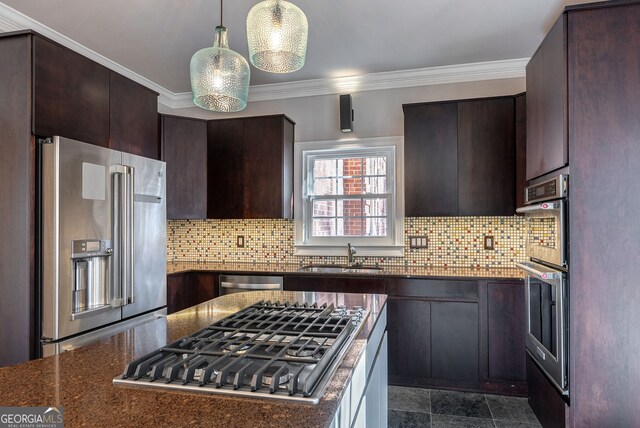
(489, 242)
(418, 242)
(240, 241)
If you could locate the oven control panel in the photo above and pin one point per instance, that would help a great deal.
(555, 188)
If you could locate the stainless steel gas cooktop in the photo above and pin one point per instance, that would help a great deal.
(277, 350)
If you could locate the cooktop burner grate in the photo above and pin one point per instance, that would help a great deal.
(279, 349)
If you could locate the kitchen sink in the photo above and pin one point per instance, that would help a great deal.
(341, 268)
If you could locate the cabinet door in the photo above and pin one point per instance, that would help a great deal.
(177, 293)
(225, 166)
(70, 94)
(202, 287)
(430, 159)
(454, 341)
(184, 149)
(250, 167)
(521, 148)
(268, 167)
(188, 289)
(133, 118)
(262, 184)
(547, 148)
(486, 157)
(408, 331)
(17, 207)
(506, 331)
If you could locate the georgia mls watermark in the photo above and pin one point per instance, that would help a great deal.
(31, 417)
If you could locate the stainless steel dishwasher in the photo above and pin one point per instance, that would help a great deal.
(240, 283)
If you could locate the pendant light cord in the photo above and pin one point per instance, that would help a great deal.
(221, 1)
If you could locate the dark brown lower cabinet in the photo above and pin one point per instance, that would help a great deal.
(506, 331)
(188, 289)
(544, 399)
(458, 334)
(455, 341)
(177, 293)
(409, 341)
(433, 343)
(204, 286)
(433, 328)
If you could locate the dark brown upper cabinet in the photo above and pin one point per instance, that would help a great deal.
(521, 148)
(70, 94)
(547, 144)
(250, 167)
(77, 98)
(486, 157)
(430, 160)
(133, 118)
(460, 158)
(184, 149)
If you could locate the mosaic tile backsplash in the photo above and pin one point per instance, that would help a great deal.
(453, 241)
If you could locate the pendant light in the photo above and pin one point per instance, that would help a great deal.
(219, 76)
(277, 34)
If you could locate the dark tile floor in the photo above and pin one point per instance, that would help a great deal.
(414, 407)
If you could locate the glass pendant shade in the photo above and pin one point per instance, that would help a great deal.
(219, 76)
(277, 34)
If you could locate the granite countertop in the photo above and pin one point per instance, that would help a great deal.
(81, 380)
(399, 271)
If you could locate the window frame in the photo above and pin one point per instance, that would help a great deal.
(389, 246)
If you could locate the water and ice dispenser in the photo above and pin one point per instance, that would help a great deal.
(91, 275)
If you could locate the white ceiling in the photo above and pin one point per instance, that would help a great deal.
(156, 38)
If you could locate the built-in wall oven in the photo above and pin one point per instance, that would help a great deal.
(546, 277)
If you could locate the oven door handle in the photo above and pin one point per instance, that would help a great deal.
(538, 274)
(539, 207)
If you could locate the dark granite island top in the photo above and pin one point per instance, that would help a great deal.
(81, 380)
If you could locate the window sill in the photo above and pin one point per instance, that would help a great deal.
(341, 250)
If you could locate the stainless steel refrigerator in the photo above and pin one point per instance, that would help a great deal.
(103, 242)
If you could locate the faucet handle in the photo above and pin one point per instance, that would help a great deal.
(350, 252)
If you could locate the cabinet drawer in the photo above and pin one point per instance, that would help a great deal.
(437, 289)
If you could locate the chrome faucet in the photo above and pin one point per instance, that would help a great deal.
(350, 253)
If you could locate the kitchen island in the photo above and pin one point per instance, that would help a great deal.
(81, 380)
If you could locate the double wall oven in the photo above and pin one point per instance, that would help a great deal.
(546, 281)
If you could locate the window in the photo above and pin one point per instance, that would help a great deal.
(349, 192)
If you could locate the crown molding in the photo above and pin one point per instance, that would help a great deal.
(461, 73)
(7, 25)
(11, 20)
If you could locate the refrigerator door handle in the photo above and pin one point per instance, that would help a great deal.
(119, 203)
(128, 222)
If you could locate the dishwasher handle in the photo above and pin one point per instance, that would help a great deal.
(245, 283)
(242, 286)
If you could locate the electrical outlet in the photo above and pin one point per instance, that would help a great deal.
(418, 242)
(488, 242)
(240, 241)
